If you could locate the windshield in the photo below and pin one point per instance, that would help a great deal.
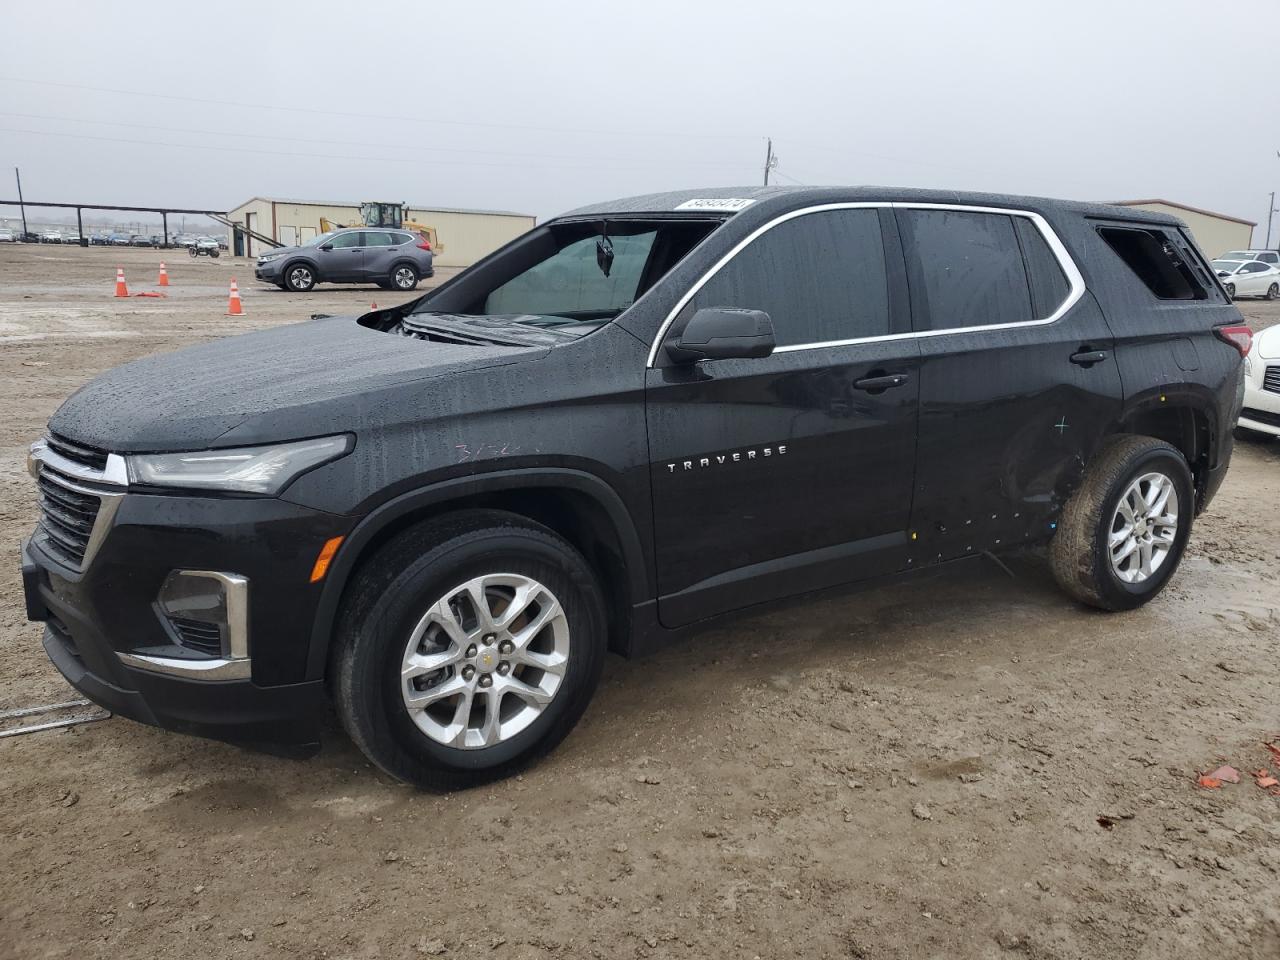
(1226, 266)
(1237, 255)
(322, 238)
(579, 273)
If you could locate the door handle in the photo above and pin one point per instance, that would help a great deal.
(1087, 358)
(879, 384)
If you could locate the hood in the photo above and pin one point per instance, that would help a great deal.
(329, 373)
(1266, 344)
(276, 251)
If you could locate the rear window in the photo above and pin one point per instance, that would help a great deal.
(1155, 259)
(965, 269)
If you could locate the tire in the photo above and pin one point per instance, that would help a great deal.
(299, 277)
(1231, 291)
(403, 276)
(403, 587)
(1080, 550)
(1273, 291)
(215, 254)
(192, 251)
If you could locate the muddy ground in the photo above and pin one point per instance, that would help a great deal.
(907, 773)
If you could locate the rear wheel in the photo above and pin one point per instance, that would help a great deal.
(1231, 290)
(1122, 533)
(468, 646)
(299, 277)
(1273, 291)
(404, 276)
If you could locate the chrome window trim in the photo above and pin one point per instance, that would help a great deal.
(1069, 268)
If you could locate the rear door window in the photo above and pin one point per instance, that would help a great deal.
(966, 269)
(820, 277)
(1049, 285)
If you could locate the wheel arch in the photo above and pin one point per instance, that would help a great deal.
(577, 505)
(294, 261)
(1187, 422)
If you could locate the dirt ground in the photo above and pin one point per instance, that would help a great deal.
(906, 773)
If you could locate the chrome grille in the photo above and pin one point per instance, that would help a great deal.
(1271, 380)
(79, 490)
(68, 512)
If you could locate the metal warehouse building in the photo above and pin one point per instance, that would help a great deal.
(464, 235)
(1216, 233)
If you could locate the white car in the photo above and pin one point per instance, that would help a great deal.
(1248, 278)
(6, 236)
(1266, 256)
(51, 236)
(1261, 411)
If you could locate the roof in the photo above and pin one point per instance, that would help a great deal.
(760, 196)
(423, 207)
(1183, 206)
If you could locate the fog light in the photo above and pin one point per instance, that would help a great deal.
(208, 611)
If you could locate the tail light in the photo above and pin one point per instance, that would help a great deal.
(425, 244)
(1240, 337)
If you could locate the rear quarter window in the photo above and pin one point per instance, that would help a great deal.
(1154, 258)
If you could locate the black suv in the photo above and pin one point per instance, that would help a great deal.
(632, 419)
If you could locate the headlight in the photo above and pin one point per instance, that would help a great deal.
(242, 469)
(268, 257)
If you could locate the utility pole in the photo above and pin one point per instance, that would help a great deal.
(21, 206)
(1270, 210)
(770, 161)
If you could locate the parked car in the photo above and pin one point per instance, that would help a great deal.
(7, 236)
(51, 236)
(157, 240)
(393, 259)
(635, 418)
(120, 239)
(222, 242)
(1266, 256)
(1261, 413)
(1251, 278)
(139, 240)
(204, 247)
(100, 239)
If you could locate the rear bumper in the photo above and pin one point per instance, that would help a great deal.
(1261, 411)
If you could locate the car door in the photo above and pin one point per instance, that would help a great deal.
(1018, 377)
(342, 258)
(1253, 279)
(379, 250)
(776, 476)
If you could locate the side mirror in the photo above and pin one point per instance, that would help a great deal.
(723, 333)
(326, 246)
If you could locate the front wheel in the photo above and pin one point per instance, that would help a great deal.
(299, 277)
(404, 276)
(1231, 291)
(1123, 532)
(1273, 291)
(468, 646)
(192, 251)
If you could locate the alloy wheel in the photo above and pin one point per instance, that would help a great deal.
(1144, 527)
(485, 660)
(404, 278)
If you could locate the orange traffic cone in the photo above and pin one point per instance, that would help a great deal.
(373, 306)
(121, 289)
(164, 275)
(233, 305)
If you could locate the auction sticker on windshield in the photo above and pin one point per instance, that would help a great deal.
(726, 204)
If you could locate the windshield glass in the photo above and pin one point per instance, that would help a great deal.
(1226, 266)
(322, 238)
(1236, 255)
(578, 274)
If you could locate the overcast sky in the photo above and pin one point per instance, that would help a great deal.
(541, 107)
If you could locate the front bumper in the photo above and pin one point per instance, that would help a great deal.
(105, 633)
(269, 272)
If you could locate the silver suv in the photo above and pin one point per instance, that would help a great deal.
(393, 259)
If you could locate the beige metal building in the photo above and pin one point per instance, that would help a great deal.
(1216, 233)
(464, 235)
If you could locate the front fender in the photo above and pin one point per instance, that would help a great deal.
(406, 504)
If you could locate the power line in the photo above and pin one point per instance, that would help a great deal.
(540, 128)
(517, 159)
(348, 143)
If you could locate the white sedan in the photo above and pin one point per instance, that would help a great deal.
(1261, 411)
(1248, 278)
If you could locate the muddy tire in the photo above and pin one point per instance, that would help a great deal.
(467, 647)
(1123, 532)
